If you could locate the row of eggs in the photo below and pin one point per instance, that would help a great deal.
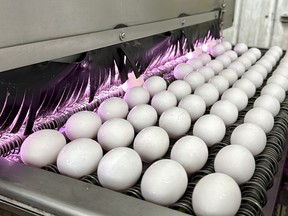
(174, 122)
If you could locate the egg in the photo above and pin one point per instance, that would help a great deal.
(191, 152)
(226, 110)
(210, 128)
(282, 72)
(235, 161)
(163, 100)
(142, 116)
(113, 107)
(175, 121)
(194, 105)
(207, 73)
(269, 58)
(277, 49)
(220, 82)
(208, 92)
(230, 75)
(195, 79)
(268, 103)
(216, 194)
(114, 133)
(252, 58)
(245, 61)
(227, 45)
(164, 182)
(224, 59)
(237, 97)
(238, 67)
(246, 85)
(119, 169)
(275, 91)
(256, 52)
(240, 48)
(135, 96)
(232, 55)
(216, 66)
(278, 80)
(84, 124)
(250, 136)
(195, 63)
(205, 58)
(181, 70)
(217, 50)
(154, 85)
(260, 117)
(180, 89)
(79, 157)
(265, 64)
(255, 77)
(260, 69)
(151, 143)
(42, 147)
(273, 53)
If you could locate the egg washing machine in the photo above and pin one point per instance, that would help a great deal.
(61, 57)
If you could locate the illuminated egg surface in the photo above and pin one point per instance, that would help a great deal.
(279, 80)
(196, 63)
(245, 61)
(246, 85)
(154, 85)
(195, 79)
(235, 161)
(79, 157)
(142, 116)
(277, 49)
(207, 73)
(180, 89)
(135, 96)
(226, 110)
(151, 143)
(256, 52)
(119, 169)
(210, 128)
(250, 136)
(265, 64)
(260, 69)
(226, 60)
(42, 147)
(230, 75)
(270, 58)
(217, 50)
(216, 66)
(114, 133)
(164, 182)
(240, 48)
(113, 107)
(216, 194)
(281, 71)
(250, 56)
(275, 91)
(84, 124)
(220, 82)
(227, 45)
(238, 67)
(269, 103)
(194, 105)
(255, 77)
(237, 97)
(175, 121)
(191, 152)
(181, 70)
(205, 58)
(232, 55)
(208, 92)
(163, 101)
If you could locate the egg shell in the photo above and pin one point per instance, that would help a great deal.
(194, 105)
(216, 194)
(217, 50)
(274, 53)
(207, 73)
(195, 63)
(230, 75)
(282, 72)
(260, 69)
(119, 169)
(232, 55)
(235, 161)
(191, 152)
(208, 92)
(220, 82)
(265, 64)
(205, 58)
(79, 157)
(135, 96)
(240, 48)
(111, 134)
(271, 59)
(237, 97)
(227, 45)
(154, 85)
(255, 77)
(238, 67)
(159, 185)
(181, 70)
(250, 56)
(113, 107)
(84, 124)
(195, 79)
(277, 49)
(224, 59)
(226, 110)
(210, 128)
(245, 61)
(216, 66)
(151, 143)
(42, 147)
(246, 85)
(278, 80)
(269, 103)
(180, 89)
(256, 52)
(163, 100)
(250, 136)
(275, 91)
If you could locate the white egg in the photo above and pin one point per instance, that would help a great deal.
(271, 59)
(111, 133)
(196, 63)
(216, 66)
(84, 124)
(216, 194)
(237, 97)
(255, 77)
(227, 45)
(250, 136)
(210, 128)
(240, 48)
(260, 69)
(226, 110)
(232, 55)
(282, 72)
(277, 49)
(164, 182)
(224, 59)
(194, 105)
(142, 116)
(195, 79)
(269, 103)
(230, 75)
(175, 121)
(278, 80)
(79, 157)
(273, 53)
(275, 91)
(151, 143)
(191, 152)
(245, 61)
(250, 56)
(181, 70)
(238, 67)
(260, 117)
(235, 161)
(119, 169)
(163, 100)
(180, 89)
(220, 82)
(208, 92)
(207, 72)
(265, 64)
(113, 107)
(256, 52)
(154, 85)
(246, 85)
(205, 58)
(135, 96)
(217, 50)
(42, 147)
